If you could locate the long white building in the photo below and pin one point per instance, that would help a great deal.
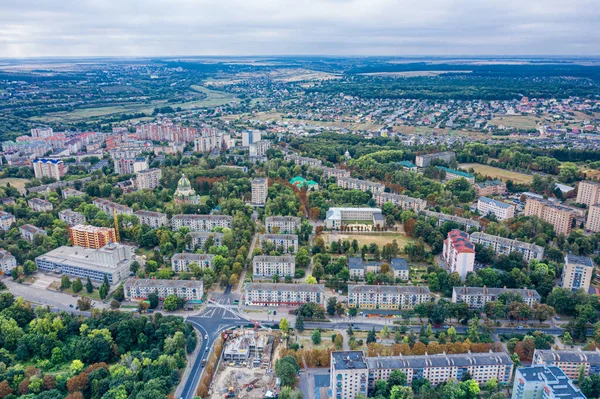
(139, 289)
(350, 183)
(268, 266)
(500, 209)
(505, 246)
(200, 222)
(284, 224)
(181, 262)
(477, 297)
(389, 297)
(401, 201)
(289, 242)
(336, 217)
(199, 238)
(274, 294)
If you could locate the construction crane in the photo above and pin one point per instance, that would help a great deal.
(116, 220)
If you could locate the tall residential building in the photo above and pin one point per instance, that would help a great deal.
(91, 236)
(425, 160)
(588, 192)
(359, 268)
(500, 209)
(273, 294)
(544, 382)
(593, 219)
(561, 217)
(110, 207)
(282, 224)
(268, 266)
(148, 179)
(577, 272)
(7, 261)
(128, 166)
(139, 289)
(181, 262)
(71, 218)
(281, 242)
(152, 219)
(349, 375)
(6, 220)
(505, 246)
(250, 137)
(112, 261)
(459, 253)
(259, 149)
(337, 217)
(490, 187)
(260, 191)
(477, 297)
(45, 167)
(569, 361)
(401, 201)
(166, 131)
(388, 297)
(42, 132)
(211, 139)
(200, 222)
(350, 183)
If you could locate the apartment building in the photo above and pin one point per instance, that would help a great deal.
(501, 210)
(459, 253)
(259, 149)
(250, 137)
(181, 262)
(439, 368)
(443, 218)
(490, 187)
(112, 261)
(200, 222)
(505, 246)
(349, 375)
(148, 179)
(273, 294)
(452, 174)
(71, 218)
(139, 289)
(593, 219)
(335, 172)
(359, 268)
(349, 183)
(211, 139)
(29, 231)
(303, 160)
(42, 132)
(199, 238)
(577, 272)
(46, 167)
(40, 205)
(152, 219)
(389, 297)
(71, 192)
(7, 262)
(6, 220)
(110, 207)
(544, 382)
(569, 361)
(91, 236)
(282, 224)
(561, 217)
(401, 201)
(128, 166)
(477, 297)
(337, 217)
(424, 160)
(268, 266)
(166, 131)
(260, 191)
(588, 192)
(287, 242)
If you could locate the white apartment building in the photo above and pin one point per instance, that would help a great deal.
(477, 297)
(389, 297)
(303, 160)
(250, 137)
(260, 191)
(359, 268)
(211, 139)
(401, 201)
(425, 159)
(577, 272)
(349, 375)
(6, 220)
(7, 261)
(459, 253)
(593, 219)
(45, 167)
(42, 132)
(199, 238)
(505, 246)
(287, 242)
(109, 207)
(40, 205)
(259, 149)
(148, 179)
(569, 361)
(544, 382)
(560, 217)
(349, 183)
(181, 262)
(200, 222)
(274, 294)
(283, 224)
(588, 192)
(127, 166)
(502, 210)
(268, 266)
(443, 218)
(336, 217)
(139, 289)
(71, 192)
(335, 172)
(71, 218)
(152, 219)
(29, 231)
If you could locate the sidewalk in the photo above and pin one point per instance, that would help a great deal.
(191, 359)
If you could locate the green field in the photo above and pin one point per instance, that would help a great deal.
(17, 183)
(214, 98)
(498, 173)
(378, 238)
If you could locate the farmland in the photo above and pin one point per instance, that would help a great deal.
(498, 173)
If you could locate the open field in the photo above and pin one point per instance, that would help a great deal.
(410, 74)
(214, 98)
(17, 183)
(378, 238)
(516, 121)
(439, 131)
(498, 173)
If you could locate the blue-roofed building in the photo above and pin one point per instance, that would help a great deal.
(456, 174)
(502, 210)
(46, 167)
(359, 268)
(407, 165)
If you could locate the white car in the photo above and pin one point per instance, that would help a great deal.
(206, 336)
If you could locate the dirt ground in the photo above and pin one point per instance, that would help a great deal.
(238, 377)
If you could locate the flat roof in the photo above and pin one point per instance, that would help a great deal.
(348, 360)
(439, 360)
(495, 202)
(285, 287)
(147, 282)
(524, 292)
(579, 260)
(388, 289)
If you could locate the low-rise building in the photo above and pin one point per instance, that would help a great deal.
(337, 217)
(349, 375)
(301, 183)
(7, 261)
(181, 262)
(462, 222)
(477, 297)
(501, 210)
(281, 242)
(152, 219)
(71, 218)
(490, 187)
(6, 220)
(577, 272)
(303, 160)
(110, 207)
(359, 268)
(389, 297)
(425, 159)
(401, 201)
(335, 172)
(459, 253)
(29, 231)
(274, 294)
(91, 236)
(40, 205)
(260, 191)
(148, 179)
(407, 166)
(569, 361)
(68, 192)
(268, 266)
(452, 174)
(544, 382)
(139, 289)
(560, 217)
(199, 238)
(112, 261)
(350, 183)
(200, 222)
(505, 246)
(282, 224)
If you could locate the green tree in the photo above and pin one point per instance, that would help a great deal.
(331, 303)
(316, 337)
(396, 378)
(171, 303)
(153, 300)
(65, 283)
(339, 342)
(76, 366)
(284, 325)
(134, 267)
(371, 336)
(89, 287)
(286, 369)
(77, 285)
(300, 323)
(103, 291)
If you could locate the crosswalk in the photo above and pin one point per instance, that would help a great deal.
(221, 308)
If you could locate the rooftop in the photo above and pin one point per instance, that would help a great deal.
(524, 292)
(439, 360)
(285, 287)
(388, 289)
(554, 379)
(146, 282)
(456, 172)
(279, 237)
(568, 356)
(356, 262)
(494, 202)
(489, 183)
(460, 241)
(268, 258)
(191, 256)
(348, 360)
(579, 260)
(507, 241)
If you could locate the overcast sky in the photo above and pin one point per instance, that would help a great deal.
(31, 28)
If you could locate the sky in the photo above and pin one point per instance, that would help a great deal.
(46, 28)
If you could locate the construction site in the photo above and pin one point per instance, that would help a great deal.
(246, 369)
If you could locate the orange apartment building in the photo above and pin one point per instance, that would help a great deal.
(91, 236)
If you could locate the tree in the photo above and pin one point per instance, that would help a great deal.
(142, 306)
(103, 291)
(29, 267)
(114, 304)
(286, 369)
(543, 312)
(89, 287)
(76, 366)
(302, 258)
(590, 386)
(65, 283)
(316, 337)
(371, 336)
(300, 323)
(396, 378)
(331, 303)
(284, 325)
(84, 303)
(171, 303)
(311, 280)
(134, 267)
(153, 300)
(339, 342)
(77, 285)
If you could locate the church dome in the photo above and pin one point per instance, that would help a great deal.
(184, 183)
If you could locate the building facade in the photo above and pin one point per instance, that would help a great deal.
(388, 297)
(424, 160)
(110, 207)
(40, 205)
(592, 222)
(452, 174)
(359, 268)
(139, 289)
(588, 192)
(459, 253)
(6, 220)
(569, 361)
(350, 183)
(152, 219)
(71, 218)
(268, 266)
(91, 236)
(335, 172)
(544, 382)
(282, 224)
(443, 218)
(148, 179)
(560, 217)
(349, 375)
(577, 272)
(505, 246)
(200, 222)
(477, 297)
(45, 167)
(181, 262)
(500, 209)
(29, 231)
(401, 201)
(337, 217)
(199, 238)
(7, 261)
(303, 160)
(273, 294)
(260, 191)
(287, 242)
(490, 187)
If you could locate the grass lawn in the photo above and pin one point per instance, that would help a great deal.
(83, 293)
(305, 340)
(15, 182)
(498, 173)
(516, 121)
(365, 239)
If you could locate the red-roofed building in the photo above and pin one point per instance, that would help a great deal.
(459, 253)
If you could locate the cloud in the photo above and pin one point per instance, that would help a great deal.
(31, 28)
